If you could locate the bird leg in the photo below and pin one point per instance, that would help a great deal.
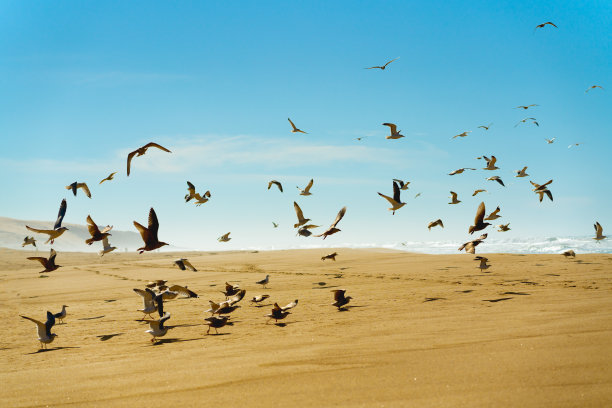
(207, 331)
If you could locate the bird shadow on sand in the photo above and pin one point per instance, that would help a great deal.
(516, 293)
(168, 341)
(218, 334)
(433, 299)
(348, 308)
(91, 318)
(51, 349)
(104, 337)
(496, 300)
(325, 287)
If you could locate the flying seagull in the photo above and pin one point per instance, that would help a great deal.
(44, 329)
(599, 232)
(157, 328)
(191, 191)
(454, 198)
(294, 129)
(183, 264)
(485, 127)
(504, 227)
(276, 183)
(61, 315)
(275, 225)
(496, 178)
(470, 246)
(402, 184)
(332, 228)
(57, 230)
(106, 247)
(395, 134)
(149, 235)
(109, 177)
(574, 145)
(382, 67)
(141, 151)
(593, 87)
(29, 241)
(459, 171)
(396, 202)
(478, 191)
(526, 106)
(300, 216)
(478, 220)
(569, 252)
(339, 299)
(533, 120)
(330, 256)
(521, 173)
(493, 215)
(550, 141)
(201, 199)
(224, 237)
(434, 224)
(94, 231)
(490, 163)
(183, 290)
(464, 134)
(544, 24)
(304, 230)
(48, 263)
(483, 263)
(83, 186)
(306, 191)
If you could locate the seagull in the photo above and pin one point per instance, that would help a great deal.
(277, 313)
(110, 177)
(534, 121)
(157, 328)
(183, 264)
(464, 134)
(57, 230)
(332, 228)
(199, 200)
(544, 24)
(48, 263)
(304, 231)
(569, 252)
(276, 183)
(470, 246)
(382, 67)
(395, 134)
(290, 305)
(259, 298)
(493, 215)
(183, 290)
(264, 282)
(230, 290)
(521, 173)
(237, 297)
(478, 191)
(496, 178)
(191, 191)
(94, 231)
(550, 141)
(490, 163)
(82, 186)
(541, 193)
(61, 315)
(454, 198)
(417, 195)
(396, 202)
(330, 256)
(485, 127)
(503, 227)
(294, 129)
(478, 224)
(593, 87)
(540, 187)
(215, 307)
(28, 241)
(300, 216)
(434, 224)
(275, 225)
(574, 145)
(106, 247)
(158, 298)
(224, 237)
(306, 191)
(148, 303)
(402, 184)
(142, 150)
(149, 235)
(483, 263)
(459, 171)
(339, 299)
(216, 322)
(526, 106)
(44, 329)
(599, 232)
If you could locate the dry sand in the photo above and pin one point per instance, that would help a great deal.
(425, 330)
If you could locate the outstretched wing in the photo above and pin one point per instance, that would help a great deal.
(61, 213)
(389, 199)
(390, 62)
(307, 189)
(153, 223)
(49, 323)
(298, 211)
(480, 213)
(84, 187)
(189, 265)
(40, 259)
(183, 290)
(144, 232)
(338, 217)
(145, 295)
(129, 160)
(92, 227)
(396, 192)
(156, 145)
(338, 294)
(392, 126)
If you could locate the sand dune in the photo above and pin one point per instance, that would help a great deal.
(424, 330)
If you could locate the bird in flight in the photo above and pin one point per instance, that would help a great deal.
(201, 199)
(382, 67)
(149, 235)
(454, 198)
(29, 241)
(544, 24)
(142, 150)
(550, 141)
(83, 186)
(44, 329)
(395, 134)
(48, 263)
(184, 264)
(496, 178)
(110, 177)
(478, 191)
(526, 106)
(332, 228)
(300, 216)
(224, 237)
(330, 256)
(574, 145)
(157, 328)
(276, 183)
(340, 300)
(94, 231)
(504, 227)
(598, 232)
(306, 191)
(470, 246)
(478, 220)
(396, 202)
(490, 163)
(483, 263)
(402, 184)
(534, 121)
(275, 225)
(464, 134)
(294, 129)
(106, 247)
(57, 230)
(459, 171)
(485, 127)
(521, 172)
(593, 87)
(434, 224)
(493, 215)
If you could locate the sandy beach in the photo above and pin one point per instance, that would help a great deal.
(423, 330)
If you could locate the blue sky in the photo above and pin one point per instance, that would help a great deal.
(84, 83)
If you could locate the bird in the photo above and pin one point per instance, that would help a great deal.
(237, 297)
(276, 183)
(230, 290)
(478, 191)
(459, 171)
(534, 121)
(61, 315)
(264, 282)
(490, 163)
(157, 327)
(493, 215)
(28, 241)
(141, 151)
(108, 178)
(434, 224)
(224, 237)
(544, 24)
(57, 230)
(417, 195)
(521, 173)
(259, 298)
(496, 178)
(306, 191)
(294, 129)
(106, 247)
(148, 303)
(541, 193)
(216, 322)
(599, 232)
(290, 305)
(454, 198)
(183, 290)
(382, 67)
(569, 252)
(191, 191)
(402, 184)
(82, 186)
(94, 231)
(159, 297)
(300, 216)
(332, 228)
(396, 202)
(48, 263)
(330, 256)
(526, 106)
(470, 246)
(464, 134)
(395, 134)
(550, 141)
(44, 329)
(201, 199)
(183, 264)
(593, 87)
(503, 227)
(277, 313)
(339, 299)
(478, 220)
(149, 235)
(221, 308)
(275, 225)
(574, 145)
(483, 263)
(485, 127)
(304, 230)
(540, 187)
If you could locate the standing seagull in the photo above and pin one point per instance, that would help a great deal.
(396, 202)
(57, 230)
(295, 129)
(300, 216)
(478, 220)
(142, 150)
(332, 228)
(382, 67)
(110, 177)
(306, 191)
(61, 315)
(83, 186)
(29, 241)
(183, 264)
(276, 183)
(599, 232)
(157, 328)
(149, 235)
(395, 134)
(264, 282)
(224, 237)
(106, 247)
(454, 198)
(44, 329)
(94, 231)
(339, 299)
(48, 263)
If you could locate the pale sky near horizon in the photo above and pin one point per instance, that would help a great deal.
(84, 83)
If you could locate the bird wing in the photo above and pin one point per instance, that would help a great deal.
(453, 196)
(156, 145)
(83, 186)
(106, 229)
(52, 255)
(338, 294)
(183, 290)
(551, 23)
(49, 323)
(396, 192)
(307, 189)
(495, 212)
(153, 223)
(92, 227)
(292, 124)
(298, 212)
(189, 265)
(441, 224)
(144, 232)
(41, 326)
(389, 199)
(598, 228)
(129, 160)
(40, 231)
(191, 188)
(390, 62)
(61, 213)
(146, 295)
(492, 162)
(392, 126)
(480, 213)
(40, 259)
(105, 243)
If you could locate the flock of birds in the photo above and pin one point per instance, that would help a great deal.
(157, 292)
